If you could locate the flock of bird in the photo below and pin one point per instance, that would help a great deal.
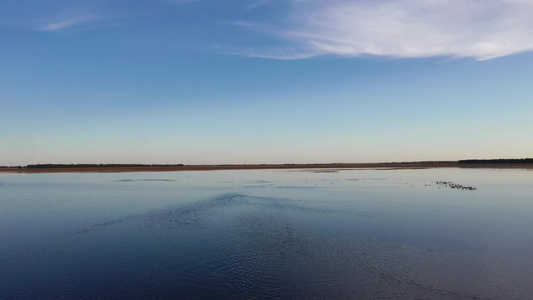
(455, 185)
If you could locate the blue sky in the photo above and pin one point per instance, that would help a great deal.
(264, 81)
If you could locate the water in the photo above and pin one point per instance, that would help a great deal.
(307, 234)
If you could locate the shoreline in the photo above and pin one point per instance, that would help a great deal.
(377, 166)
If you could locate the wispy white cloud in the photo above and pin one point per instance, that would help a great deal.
(68, 22)
(481, 29)
(256, 3)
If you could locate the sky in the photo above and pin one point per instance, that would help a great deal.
(264, 81)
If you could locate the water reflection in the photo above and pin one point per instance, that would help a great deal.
(349, 234)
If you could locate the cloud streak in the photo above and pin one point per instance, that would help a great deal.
(69, 22)
(402, 29)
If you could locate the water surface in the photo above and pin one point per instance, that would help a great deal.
(352, 234)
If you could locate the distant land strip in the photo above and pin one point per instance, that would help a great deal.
(469, 163)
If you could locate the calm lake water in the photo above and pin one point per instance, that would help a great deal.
(348, 234)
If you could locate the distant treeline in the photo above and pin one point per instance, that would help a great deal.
(498, 161)
(466, 161)
(432, 162)
(47, 166)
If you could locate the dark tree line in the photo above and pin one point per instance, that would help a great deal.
(46, 166)
(498, 161)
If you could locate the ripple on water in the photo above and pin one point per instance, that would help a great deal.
(241, 246)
